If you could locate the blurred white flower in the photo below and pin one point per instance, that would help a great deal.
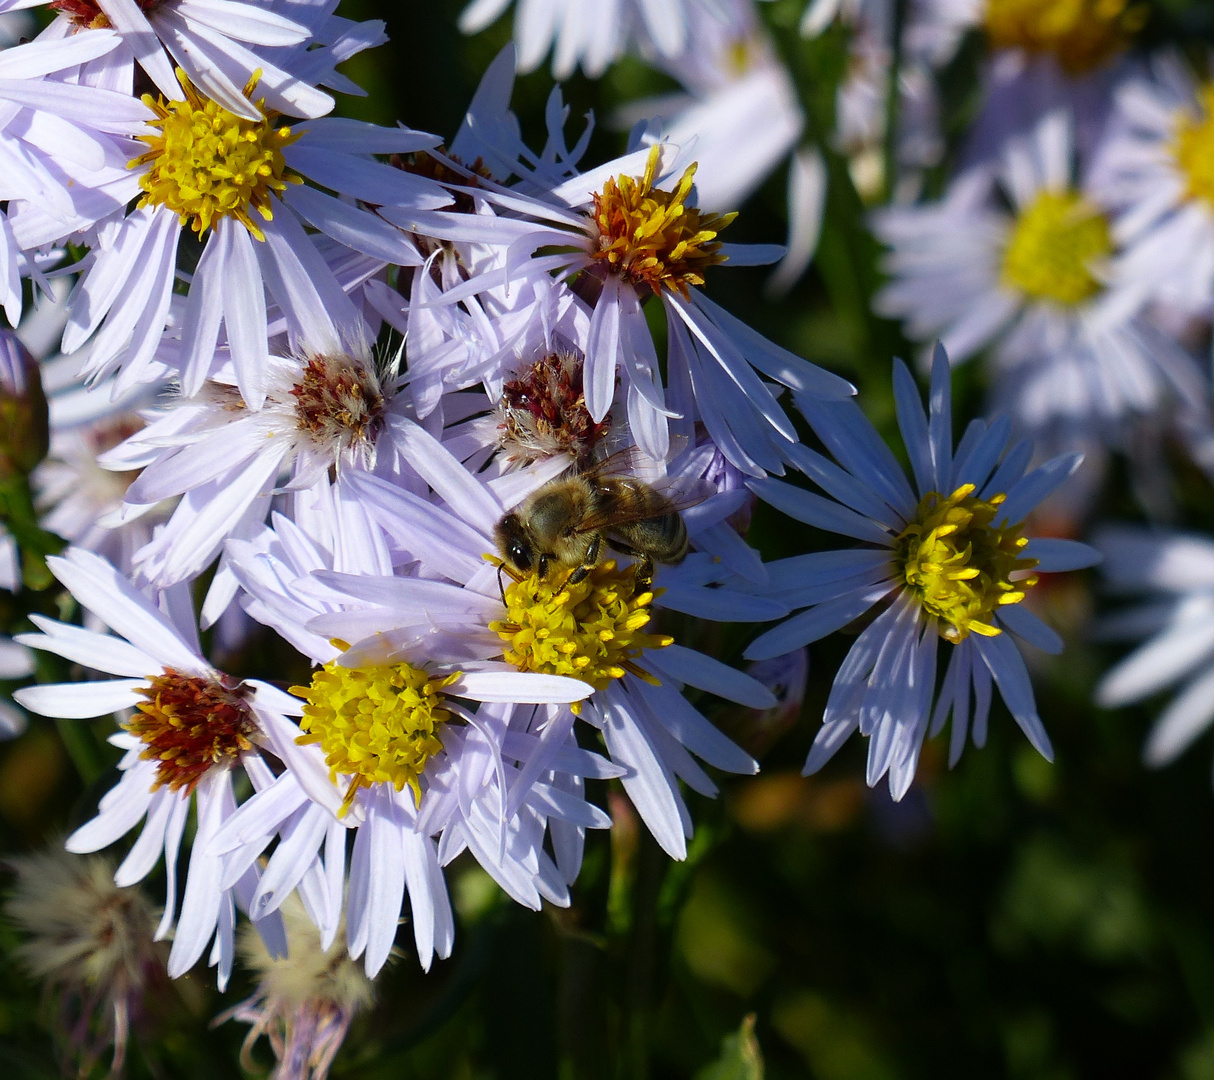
(1173, 575)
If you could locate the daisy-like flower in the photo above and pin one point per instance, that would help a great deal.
(251, 209)
(1079, 36)
(1173, 575)
(741, 110)
(1042, 56)
(386, 748)
(191, 728)
(1156, 168)
(594, 630)
(593, 33)
(1030, 285)
(65, 147)
(327, 408)
(943, 559)
(208, 39)
(628, 238)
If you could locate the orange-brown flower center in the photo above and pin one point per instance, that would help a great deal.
(189, 723)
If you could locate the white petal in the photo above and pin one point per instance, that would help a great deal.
(78, 701)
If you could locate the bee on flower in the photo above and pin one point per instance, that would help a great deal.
(389, 747)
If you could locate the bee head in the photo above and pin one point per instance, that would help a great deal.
(513, 543)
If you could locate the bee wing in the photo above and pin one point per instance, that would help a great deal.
(632, 461)
(681, 493)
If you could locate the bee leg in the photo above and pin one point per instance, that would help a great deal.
(643, 575)
(588, 563)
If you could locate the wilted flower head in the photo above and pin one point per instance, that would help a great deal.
(304, 1001)
(90, 942)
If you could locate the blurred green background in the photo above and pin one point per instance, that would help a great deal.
(1008, 919)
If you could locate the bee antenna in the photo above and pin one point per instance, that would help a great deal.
(500, 588)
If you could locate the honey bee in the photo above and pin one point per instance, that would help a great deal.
(566, 523)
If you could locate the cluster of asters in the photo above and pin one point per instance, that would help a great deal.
(326, 380)
(1072, 250)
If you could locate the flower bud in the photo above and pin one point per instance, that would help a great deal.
(24, 428)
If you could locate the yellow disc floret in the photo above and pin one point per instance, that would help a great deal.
(377, 725)
(206, 163)
(961, 565)
(1082, 34)
(1193, 146)
(591, 630)
(1055, 243)
(652, 237)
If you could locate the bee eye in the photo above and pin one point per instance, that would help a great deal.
(543, 570)
(518, 556)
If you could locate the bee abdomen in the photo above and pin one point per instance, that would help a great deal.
(663, 538)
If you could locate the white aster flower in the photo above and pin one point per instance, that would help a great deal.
(64, 146)
(1030, 285)
(593, 33)
(592, 630)
(1042, 56)
(253, 214)
(411, 762)
(1174, 574)
(1154, 169)
(208, 39)
(191, 728)
(590, 223)
(327, 409)
(944, 559)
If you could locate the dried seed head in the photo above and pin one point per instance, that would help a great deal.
(90, 942)
(304, 1001)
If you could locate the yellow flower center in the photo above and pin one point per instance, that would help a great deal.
(1053, 246)
(1082, 34)
(652, 237)
(960, 565)
(591, 630)
(1193, 146)
(188, 723)
(206, 163)
(377, 725)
